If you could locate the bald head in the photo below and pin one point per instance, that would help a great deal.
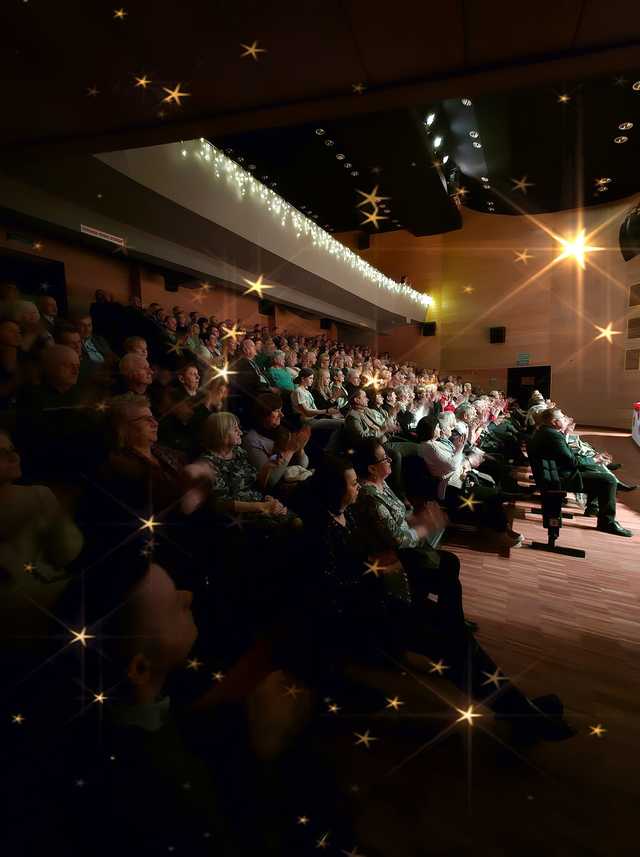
(61, 366)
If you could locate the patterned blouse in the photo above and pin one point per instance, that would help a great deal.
(235, 478)
(383, 518)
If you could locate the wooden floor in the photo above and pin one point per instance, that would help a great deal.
(560, 624)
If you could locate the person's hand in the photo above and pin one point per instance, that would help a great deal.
(458, 442)
(333, 412)
(271, 506)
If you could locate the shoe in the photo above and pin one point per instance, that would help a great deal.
(614, 466)
(546, 722)
(625, 486)
(614, 529)
(591, 510)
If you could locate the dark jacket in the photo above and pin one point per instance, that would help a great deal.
(549, 443)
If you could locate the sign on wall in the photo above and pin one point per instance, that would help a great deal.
(523, 359)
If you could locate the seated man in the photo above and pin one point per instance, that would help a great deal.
(136, 373)
(576, 474)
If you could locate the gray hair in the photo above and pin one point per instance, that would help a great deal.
(446, 418)
(278, 355)
(463, 409)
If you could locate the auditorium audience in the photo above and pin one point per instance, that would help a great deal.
(309, 559)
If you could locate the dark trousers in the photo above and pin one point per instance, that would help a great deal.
(600, 485)
(434, 578)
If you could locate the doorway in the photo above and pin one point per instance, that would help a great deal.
(35, 276)
(521, 382)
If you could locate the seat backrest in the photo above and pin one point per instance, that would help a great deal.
(418, 481)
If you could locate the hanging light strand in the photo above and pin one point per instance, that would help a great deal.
(290, 218)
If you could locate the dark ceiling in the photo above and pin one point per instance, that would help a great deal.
(406, 53)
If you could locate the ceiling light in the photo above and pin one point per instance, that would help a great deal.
(621, 139)
(241, 160)
(445, 159)
(625, 126)
(274, 184)
(328, 143)
(474, 134)
(430, 119)
(437, 142)
(229, 151)
(477, 145)
(484, 178)
(467, 102)
(340, 156)
(347, 165)
(487, 187)
(602, 189)
(636, 86)
(603, 180)
(355, 173)
(265, 178)
(252, 166)
(320, 132)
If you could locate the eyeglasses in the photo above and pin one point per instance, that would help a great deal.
(380, 460)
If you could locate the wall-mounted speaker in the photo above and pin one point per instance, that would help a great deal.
(364, 241)
(497, 334)
(266, 308)
(428, 328)
(325, 324)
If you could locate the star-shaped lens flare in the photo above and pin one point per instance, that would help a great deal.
(18, 719)
(494, 678)
(174, 95)
(222, 372)
(467, 715)
(373, 217)
(119, 14)
(358, 88)
(606, 332)
(438, 667)
(100, 698)
(394, 702)
(252, 50)
(143, 81)
(232, 332)
(323, 841)
(524, 256)
(293, 691)
(375, 568)
(576, 248)
(149, 523)
(522, 184)
(468, 502)
(370, 198)
(81, 637)
(194, 664)
(597, 731)
(365, 738)
(256, 286)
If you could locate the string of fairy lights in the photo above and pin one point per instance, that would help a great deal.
(224, 168)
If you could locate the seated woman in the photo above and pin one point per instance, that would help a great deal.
(387, 528)
(261, 441)
(339, 392)
(322, 393)
(350, 613)
(144, 476)
(304, 404)
(234, 485)
(445, 460)
(279, 375)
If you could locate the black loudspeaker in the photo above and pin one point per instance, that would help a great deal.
(266, 308)
(325, 324)
(630, 235)
(364, 241)
(428, 328)
(497, 334)
(170, 286)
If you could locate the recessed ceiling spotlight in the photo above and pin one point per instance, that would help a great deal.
(265, 178)
(252, 166)
(437, 142)
(241, 160)
(621, 139)
(477, 145)
(467, 102)
(625, 126)
(347, 165)
(484, 178)
(636, 86)
(328, 142)
(229, 151)
(474, 134)
(316, 216)
(355, 173)
(487, 187)
(340, 156)
(430, 119)
(445, 159)
(274, 184)
(603, 189)
(320, 132)
(603, 180)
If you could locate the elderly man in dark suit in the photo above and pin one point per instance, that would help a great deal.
(248, 381)
(549, 443)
